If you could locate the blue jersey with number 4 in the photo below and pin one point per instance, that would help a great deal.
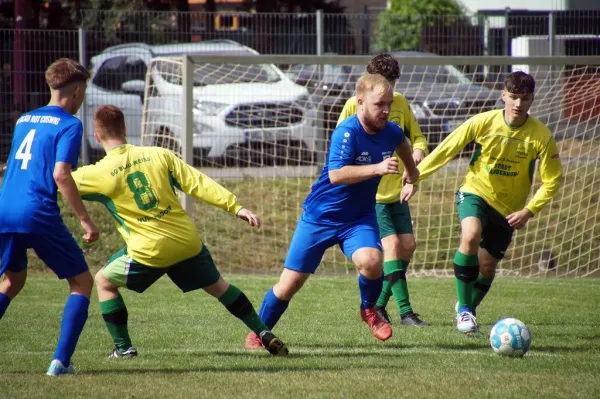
(350, 145)
(28, 202)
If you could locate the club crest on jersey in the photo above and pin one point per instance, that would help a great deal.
(363, 158)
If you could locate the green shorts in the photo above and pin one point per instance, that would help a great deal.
(191, 274)
(496, 233)
(393, 218)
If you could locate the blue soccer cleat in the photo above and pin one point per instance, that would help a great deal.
(57, 368)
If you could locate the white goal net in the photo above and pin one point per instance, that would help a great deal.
(260, 125)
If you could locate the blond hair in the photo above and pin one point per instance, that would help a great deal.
(372, 82)
(64, 72)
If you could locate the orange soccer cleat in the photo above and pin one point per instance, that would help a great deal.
(379, 327)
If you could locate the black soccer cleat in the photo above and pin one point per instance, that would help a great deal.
(129, 353)
(273, 344)
(383, 314)
(413, 320)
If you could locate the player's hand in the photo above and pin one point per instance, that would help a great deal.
(388, 166)
(410, 178)
(518, 220)
(91, 231)
(418, 156)
(408, 191)
(249, 216)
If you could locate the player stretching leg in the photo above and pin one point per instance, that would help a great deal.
(137, 186)
(45, 147)
(491, 201)
(393, 216)
(341, 206)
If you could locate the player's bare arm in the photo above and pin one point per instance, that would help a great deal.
(418, 155)
(352, 174)
(411, 173)
(66, 185)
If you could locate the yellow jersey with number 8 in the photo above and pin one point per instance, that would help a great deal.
(137, 186)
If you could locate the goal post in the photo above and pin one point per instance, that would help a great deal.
(260, 125)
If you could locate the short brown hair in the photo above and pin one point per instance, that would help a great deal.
(64, 72)
(372, 81)
(386, 65)
(519, 82)
(109, 122)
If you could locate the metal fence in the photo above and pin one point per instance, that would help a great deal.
(25, 54)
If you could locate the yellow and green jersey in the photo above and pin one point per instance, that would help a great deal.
(401, 114)
(501, 170)
(137, 186)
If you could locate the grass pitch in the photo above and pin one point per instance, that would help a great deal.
(191, 347)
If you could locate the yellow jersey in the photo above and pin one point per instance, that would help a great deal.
(501, 170)
(137, 186)
(401, 114)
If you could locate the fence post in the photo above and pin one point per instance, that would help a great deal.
(551, 33)
(320, 38)
(322, 134)
(83, 113)
(187, 133)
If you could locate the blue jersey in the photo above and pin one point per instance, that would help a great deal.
(350, 145)
(28, 202)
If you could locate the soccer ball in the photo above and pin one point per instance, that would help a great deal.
(510, 337)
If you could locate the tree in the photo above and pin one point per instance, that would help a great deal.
(399, 28)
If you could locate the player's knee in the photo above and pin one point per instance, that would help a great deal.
(369, 262)
(407, 246)
(487, 269)
(470, 239)
(13, 283)
(82, 284)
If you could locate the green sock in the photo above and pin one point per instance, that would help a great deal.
(394, 283)
(466, 269)
(480, 290)
(400, 288)
(114, 314)
(386, 292)
(238, 305)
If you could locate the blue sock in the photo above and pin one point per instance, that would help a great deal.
(4, 302)
(369, 291)
(271, 309)
(74, 318)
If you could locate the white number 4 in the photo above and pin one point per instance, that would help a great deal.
(24, 151)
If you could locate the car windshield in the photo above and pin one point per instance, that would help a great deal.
(219, 74)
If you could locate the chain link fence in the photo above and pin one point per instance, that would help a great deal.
(25, 54)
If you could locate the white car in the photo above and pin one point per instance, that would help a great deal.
(239, 111)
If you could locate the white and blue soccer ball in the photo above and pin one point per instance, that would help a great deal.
(510, 337)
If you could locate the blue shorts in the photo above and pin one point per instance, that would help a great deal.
(59, 252)
(312, 239)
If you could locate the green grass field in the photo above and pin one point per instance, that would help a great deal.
(191, 347)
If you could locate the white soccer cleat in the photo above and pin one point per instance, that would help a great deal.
(57, 368)
(466, 323)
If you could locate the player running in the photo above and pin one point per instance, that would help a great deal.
(491, 201)
(137, 186)
(393, 217)
(340, 208)
(45, 148)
